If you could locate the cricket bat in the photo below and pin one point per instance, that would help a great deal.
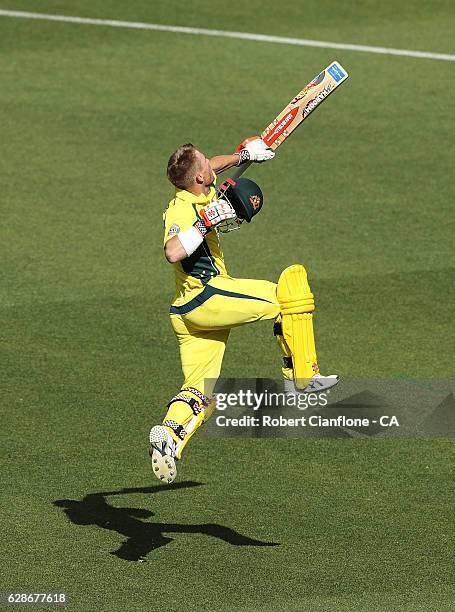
(299, 108)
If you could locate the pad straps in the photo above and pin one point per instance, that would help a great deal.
(196, 405)
(176, 428)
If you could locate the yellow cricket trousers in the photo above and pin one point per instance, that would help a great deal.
(202, 328)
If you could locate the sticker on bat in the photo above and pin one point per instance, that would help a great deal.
(281, 127)
(335, 71)
(317, 100)
(316, 81)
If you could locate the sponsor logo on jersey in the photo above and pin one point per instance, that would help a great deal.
(174, 229)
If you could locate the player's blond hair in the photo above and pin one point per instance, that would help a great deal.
(183, 166)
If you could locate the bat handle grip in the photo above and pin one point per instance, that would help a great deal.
(241, 169)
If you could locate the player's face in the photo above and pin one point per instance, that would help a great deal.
(206, 169)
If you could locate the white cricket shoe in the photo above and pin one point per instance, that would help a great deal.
(162, 452)
(317, 384)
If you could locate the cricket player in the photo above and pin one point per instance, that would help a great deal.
(208, 302)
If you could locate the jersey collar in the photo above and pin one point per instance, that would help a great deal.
(182, 194)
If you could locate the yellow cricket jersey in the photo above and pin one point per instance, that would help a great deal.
(194, 272)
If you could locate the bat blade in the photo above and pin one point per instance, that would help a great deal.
(303, 104)
(298, 109)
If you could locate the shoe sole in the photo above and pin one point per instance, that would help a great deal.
(163, 464)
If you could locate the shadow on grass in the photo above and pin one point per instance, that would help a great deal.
(142, 537)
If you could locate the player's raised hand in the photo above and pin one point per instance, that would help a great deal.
(215, 212)
(254, 150)
(259, 151)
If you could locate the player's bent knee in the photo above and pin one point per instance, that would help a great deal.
(293, 291)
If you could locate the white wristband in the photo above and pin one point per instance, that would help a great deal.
(190, 240)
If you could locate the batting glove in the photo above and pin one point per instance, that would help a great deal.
(255, 151)
(214, 213)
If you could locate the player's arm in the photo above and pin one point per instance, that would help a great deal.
(185, 243)
(251, 150)
(220, 163)
(174, 251)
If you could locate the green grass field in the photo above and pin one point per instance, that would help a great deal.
(361, 194)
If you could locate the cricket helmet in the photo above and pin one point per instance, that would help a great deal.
(245, 197)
